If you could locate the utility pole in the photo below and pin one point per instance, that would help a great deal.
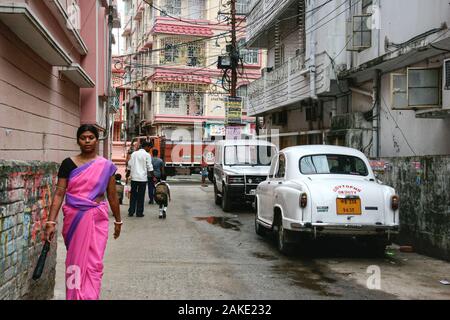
(234, 52)
(233, 104)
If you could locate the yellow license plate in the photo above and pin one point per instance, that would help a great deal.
(348, 206)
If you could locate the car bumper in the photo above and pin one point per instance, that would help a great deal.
(343, 229)
(242, 192)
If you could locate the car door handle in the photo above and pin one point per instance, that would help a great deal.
(280, 182)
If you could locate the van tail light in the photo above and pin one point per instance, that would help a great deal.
(303, 200)
(395, 202)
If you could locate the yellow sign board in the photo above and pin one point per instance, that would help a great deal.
(233, 110)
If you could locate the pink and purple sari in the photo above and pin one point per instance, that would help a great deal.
(85, 229)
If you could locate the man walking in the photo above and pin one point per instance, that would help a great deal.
(158, 171)
(139, 167)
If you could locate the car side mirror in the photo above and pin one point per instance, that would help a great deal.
(377, 178)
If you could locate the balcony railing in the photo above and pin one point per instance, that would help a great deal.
(262, 13)
(288, 84)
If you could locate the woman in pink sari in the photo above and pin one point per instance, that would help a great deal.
(83, 180)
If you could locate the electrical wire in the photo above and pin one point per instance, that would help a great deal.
(217, 36)
(220, 35)
(226, 33)
(335, 17)
(164, 12)
(386, 108)
(151, 66)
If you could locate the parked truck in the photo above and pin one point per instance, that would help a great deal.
(180, 157)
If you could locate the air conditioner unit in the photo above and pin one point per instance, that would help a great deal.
(446, 85)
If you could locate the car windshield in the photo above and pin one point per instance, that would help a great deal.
(249, 155)
(333, 164)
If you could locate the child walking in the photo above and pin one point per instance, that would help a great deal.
(162, 197)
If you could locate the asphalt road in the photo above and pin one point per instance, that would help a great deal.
(199, 252)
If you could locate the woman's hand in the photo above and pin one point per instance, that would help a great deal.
(50, 230)
(117, 229)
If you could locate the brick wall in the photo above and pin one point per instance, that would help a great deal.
(25, 195)
(423, 184)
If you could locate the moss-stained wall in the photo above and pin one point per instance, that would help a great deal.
(25, 197)
(423, 184)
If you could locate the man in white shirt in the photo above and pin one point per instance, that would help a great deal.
(139, 167)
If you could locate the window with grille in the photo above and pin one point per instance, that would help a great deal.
(242, 7)
(194, 103)
(191, 55)
(399, 91)
(173, 7)
(249, 56)
(362, 33)
(417, 88)
(172, 100)
(171, 53)
(423, 87)
(196, 9)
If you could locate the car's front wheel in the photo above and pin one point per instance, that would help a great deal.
(217, 198)
(226, 202)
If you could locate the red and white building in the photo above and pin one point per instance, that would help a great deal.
(170, 56)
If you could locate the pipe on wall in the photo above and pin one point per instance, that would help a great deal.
(312, 55)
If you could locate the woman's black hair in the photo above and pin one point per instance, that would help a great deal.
(87, 127)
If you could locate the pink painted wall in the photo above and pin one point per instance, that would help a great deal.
(101, 51)
(95, 61)
(89, 96)
(52, 25)
(39, 112)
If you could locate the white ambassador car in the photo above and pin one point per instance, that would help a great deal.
(315, 191)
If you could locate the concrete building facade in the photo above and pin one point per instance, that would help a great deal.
(369, 74)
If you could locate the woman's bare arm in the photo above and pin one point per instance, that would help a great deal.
(113, 199)
(58, 198)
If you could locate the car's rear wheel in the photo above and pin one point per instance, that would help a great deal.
(376, 247)
(217, 198)
(282, 245)
(226, 203)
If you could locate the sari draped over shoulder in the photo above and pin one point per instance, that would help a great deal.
(85, 229)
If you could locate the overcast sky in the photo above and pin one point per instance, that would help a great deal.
(117, 48)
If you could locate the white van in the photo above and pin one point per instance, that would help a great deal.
(240, 165)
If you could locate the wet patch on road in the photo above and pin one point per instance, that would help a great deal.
(264, 256)
(226, 223)
(308, 276)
